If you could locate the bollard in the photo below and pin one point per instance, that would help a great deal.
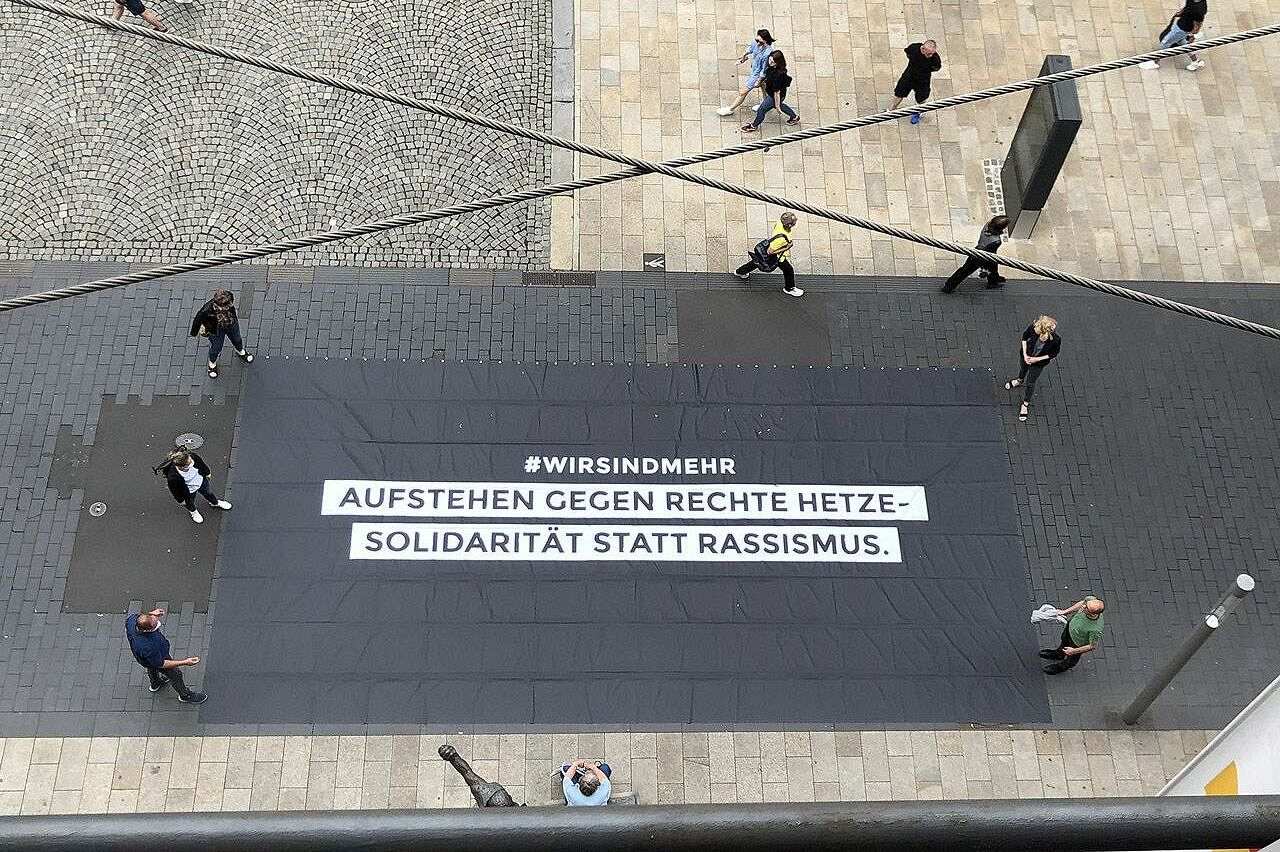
(1242, 586)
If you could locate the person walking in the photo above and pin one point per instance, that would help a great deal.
(1082, 634)
(187, 475)
(217, 320)
(1183, 28)
(988, 240)
(922, 60)
(152, 652)
(774, 252)
(774, 86)
(757, 52)
(135, 7)
(1040, 345)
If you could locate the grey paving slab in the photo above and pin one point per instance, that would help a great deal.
(140, 549)
(1148, 473)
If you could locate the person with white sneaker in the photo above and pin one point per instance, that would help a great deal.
(758, 51)
(1182, 29)
(774, 252)
(187, 475)
(217, 320)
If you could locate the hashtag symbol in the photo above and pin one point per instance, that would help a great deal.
(531, 464)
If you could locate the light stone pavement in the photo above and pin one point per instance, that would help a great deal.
(133, 774)
(1172, 176)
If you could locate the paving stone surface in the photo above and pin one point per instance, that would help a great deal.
(1147, 475)
(121, 148)
(1172, 176)
(55, 775)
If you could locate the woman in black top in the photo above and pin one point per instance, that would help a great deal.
(187, 475)
(988, 240)
(217, 320)
(1040, 345)
(774, 85)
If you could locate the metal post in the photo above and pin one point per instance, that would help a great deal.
(1064, 825)
(1242, 586)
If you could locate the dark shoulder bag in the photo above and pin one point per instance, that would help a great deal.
(764, 261)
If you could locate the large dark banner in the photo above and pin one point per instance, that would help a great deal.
(504, 544)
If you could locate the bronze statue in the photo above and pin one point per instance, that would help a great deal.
(488, 794)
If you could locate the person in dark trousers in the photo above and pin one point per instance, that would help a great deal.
(774, 86)
(187, 475)
(135, 7)
(922, 60)
(217, 320)
(1082, 634)
(151, 650)
(1040, 345)
(988, 240)
(1183, 28)
(488, 794)
(775, 252)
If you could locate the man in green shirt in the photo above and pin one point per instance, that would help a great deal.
(1082, 634)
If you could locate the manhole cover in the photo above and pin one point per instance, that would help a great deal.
(189, 441)
(98, 509)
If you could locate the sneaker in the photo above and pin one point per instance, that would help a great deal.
(724, 111)
(1149, 65)
(246, 357)
(794, 291)
(156, 687)
(196, 516)
(1195, 65)
(193, 698)
(915, 119)
(223, 504)
(741, 275)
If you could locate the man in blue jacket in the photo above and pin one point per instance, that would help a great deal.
(151, 650)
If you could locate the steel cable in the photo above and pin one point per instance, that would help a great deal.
(639, 167)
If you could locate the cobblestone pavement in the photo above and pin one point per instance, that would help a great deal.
(119, 148)
(1171, 177)
(132, 774)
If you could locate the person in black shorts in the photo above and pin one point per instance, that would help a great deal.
(922, 60)
(135, 7)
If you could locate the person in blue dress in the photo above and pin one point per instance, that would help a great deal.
(757, 52)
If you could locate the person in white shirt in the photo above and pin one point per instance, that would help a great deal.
(187, 475)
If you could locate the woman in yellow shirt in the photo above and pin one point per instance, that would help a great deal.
(775, 253)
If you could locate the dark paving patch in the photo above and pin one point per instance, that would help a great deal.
(145, 546)
(69, 464)
(753, 327)
(306, 634)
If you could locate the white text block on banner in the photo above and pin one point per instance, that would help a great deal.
(622, 542)
(589, 501)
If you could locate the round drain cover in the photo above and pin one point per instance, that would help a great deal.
(98, 509)
(189, 441)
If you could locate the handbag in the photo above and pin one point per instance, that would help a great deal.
(759, 255)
